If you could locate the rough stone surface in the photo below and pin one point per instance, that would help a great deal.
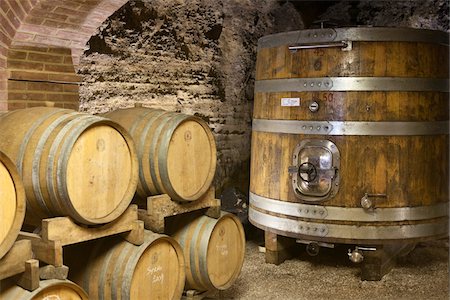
(196, 57)
(427, 14)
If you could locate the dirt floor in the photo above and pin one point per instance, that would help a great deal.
(422, 274)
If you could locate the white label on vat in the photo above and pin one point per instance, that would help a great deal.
(223, 249)
(155, 273)
(158, 278)
(290, 101)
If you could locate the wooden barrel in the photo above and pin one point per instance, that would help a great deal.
(350, 135)
(116, 269)
(48, 290)
(12, 203)
(177, 152)
(72, 164)
(214, 251)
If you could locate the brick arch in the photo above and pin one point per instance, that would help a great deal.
(40, 43)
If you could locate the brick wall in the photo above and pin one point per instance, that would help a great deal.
(40, 42)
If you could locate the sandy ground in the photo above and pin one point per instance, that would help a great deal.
(422, 274)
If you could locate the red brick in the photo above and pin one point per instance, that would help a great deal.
(14, 85)
(72, 35)
(34, 20)
(15, 22)
(4, 38)
(47, 40)
(63, 51)
(68, 60)
(26, 75)
(28, 48)
(4, 6)
(8, 28)
(63, 97)
(74, 105)
(3, 85)
(59, 68)
(37, 29)
(26, 6)
(49, 15)
(22, 36)
(18, 11)
(13, 105)
(45, 57)
(4, 106)
(70, 12)
(14, 54)
(71, 88)
(45, 86)
(25, 65)
(26, 96)
(64, 77)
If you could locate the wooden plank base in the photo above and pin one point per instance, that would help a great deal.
(62, 231)
(161, 206)
(278, 248)
(19, 262)
(380, 262)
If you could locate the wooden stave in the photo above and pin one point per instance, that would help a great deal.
(147, 132)
(15, 227)
(109, 269)
(13, 291)
(437, 112)
(35, 132)
(197, 258)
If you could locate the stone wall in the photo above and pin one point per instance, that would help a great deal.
(196, 57)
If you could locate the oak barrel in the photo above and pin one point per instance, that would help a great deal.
(177, 152)
(214, 251)
(12, 203)
(350, 135)
(47, 290)
(116, 269)
(71, 164)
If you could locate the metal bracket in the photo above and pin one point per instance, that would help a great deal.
(367, 203)
(345, 45)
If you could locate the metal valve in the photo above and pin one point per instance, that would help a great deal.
(355, 256)
(368, 203)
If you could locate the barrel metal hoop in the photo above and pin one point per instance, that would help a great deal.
(203, 253)
(194, 253)
(347, 84)
(132, 258)
(36, 164)
(356, 214)
(59, 191)
(351, 127)
(140, 149)
(166, 135)
(351, 232)
(369, 34)
(27, 136)
(102, 277)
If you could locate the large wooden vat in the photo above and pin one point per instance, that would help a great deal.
(72, 164)
(116, 269)
(177, 152)
(12, 203)
(214, 250)
(350, 135)
(48, 290)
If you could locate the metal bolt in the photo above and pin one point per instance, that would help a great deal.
(314, 106)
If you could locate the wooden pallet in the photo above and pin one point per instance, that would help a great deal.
(161, 206)
(62, 231)
(19, 262)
